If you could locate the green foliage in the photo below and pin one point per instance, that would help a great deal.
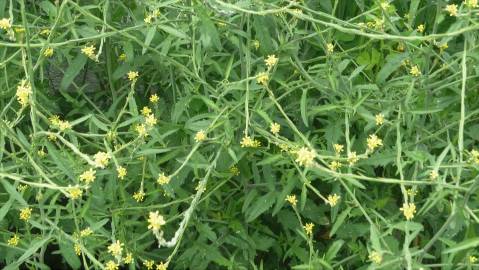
(317, 134)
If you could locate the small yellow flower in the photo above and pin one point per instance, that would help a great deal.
(77, 249)
(334, 165)
(139, 196)
(154, 98)
(433, 175)
(475, 156)
(116, 248)
(155, 221)
(161, 266)
(292, 200)
(338, 148)
(141, 130)
(23, 92)
(111, 265)
(101, 159)
(471, 3)
(22, 188)
(247, 141)
(146, 111)
(64, 125)
(472, 259)
(271, 61)
(25, 213)
(89, 51)
(234, 170)
(373, 142)
(411, 192)
(408, 209)
(305, 156)
(255, 44)
(400, 47)
(262, 78)
(149, 264)
(421, 28)
(275, 128)
(45, 32)
(41, 153)
(308, 228)
(5, 24)
(121, 172)
(151, 120)
(129, 258)
(443, 47)
(379, 119)
(122, 57)
(330, 48)
(415, 71)
(163, 179)
(132, 75)
(13, 241)
(385, 5)
(75, 193)
(48, 52)
(452, 9)
(376, 257)
(88, 176)
(200, 136)
(333, 199)
(148, 19)
(86, 232)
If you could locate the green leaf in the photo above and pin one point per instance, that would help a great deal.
(73, 70)
(466, 244)
(261, 205)
(68, 253)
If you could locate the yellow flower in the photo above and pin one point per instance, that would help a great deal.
(292, 200)
(52, 138)
(154, 98)
(116, 248)
(121, 172)
(471, 3)
(472, 259)
(330, 48)
(379, 119)
(308, 228)
(262, 78)
(415, 71)
(41, 153)
(338, 148)
(376, 257)
(5, 24)
(421, 28)
(433, 175)
(111, 265)
(23, 92)
(385, 5)
(247, 141)
(411, 192)
(89, 51)
(234, 170)
(48, 52)
(475, 156)
(352, 158)
(200, 136)
(275, 128)
(88, 176)
(333, 199)
(146, 111)
(148, 19)
(408, 210)
(75, 193)
(13, 241)
(139, 196)
(25, 213)
(86, 232)
(150, 120)
(122, 57)
(101, 159)
(149, 264)
(334, 165)
(443, 47)
(132, 75)
(22, 188)
(129, 258)
(255, 44)
(305, 156)
(452, 9)
(163, 179)
(155, 221)
(141, 130)
(64, 125)
(77, 249)
(45, 32)
(373, 142)
(271, 61)
(161, 266)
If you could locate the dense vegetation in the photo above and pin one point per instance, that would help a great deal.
(315, 134)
